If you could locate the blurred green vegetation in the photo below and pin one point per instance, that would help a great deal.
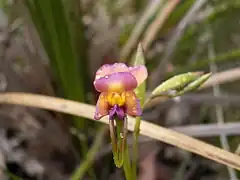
(61, 40)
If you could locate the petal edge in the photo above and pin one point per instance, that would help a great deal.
(132, 104)
(108, 69)
(117, 82)
(140, 73)
(101, 107)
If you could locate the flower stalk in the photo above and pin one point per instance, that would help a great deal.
(118, 140)
(140, 92)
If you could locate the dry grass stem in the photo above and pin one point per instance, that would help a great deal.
(147, 129)
(157, 24)
(223, 77)
(209, 130)
(139, 28)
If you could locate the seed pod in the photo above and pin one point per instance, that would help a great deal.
(176, 84)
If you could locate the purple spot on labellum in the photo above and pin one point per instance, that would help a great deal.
(116, 111)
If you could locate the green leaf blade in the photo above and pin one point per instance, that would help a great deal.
(140, 60)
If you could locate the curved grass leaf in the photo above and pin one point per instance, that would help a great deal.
(52, 24)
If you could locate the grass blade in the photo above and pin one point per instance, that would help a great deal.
(52, 24)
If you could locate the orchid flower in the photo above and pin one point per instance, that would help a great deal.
(116, 83)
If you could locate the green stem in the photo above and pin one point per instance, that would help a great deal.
(119, 146)
(84, 150)
(135, 147)
(113, 140)
(117, 142)
(127, 162)
(135, 140)
(81, 171)
(127, 165)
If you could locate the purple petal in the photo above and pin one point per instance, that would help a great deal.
(139, 72)
(108, 69)
(101, 107)
(132, 104)
(116, 110)
(117, 82)
(120, 113)
(112, 112)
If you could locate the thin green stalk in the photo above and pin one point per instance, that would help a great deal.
(81, 171)
(120, 148)
(84, 150)
(182, 168)
(127, 165)
(140, 92)
(127, 161)
(120, 141)
(135, 147)
(136, 133)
